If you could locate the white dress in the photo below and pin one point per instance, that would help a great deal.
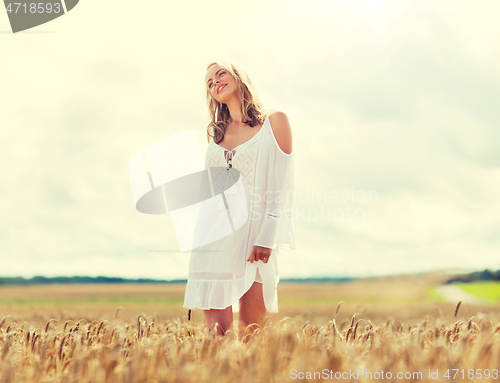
(219, 273)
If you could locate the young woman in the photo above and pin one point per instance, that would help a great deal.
(240, 271)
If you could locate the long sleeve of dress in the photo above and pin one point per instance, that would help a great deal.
(277, 230)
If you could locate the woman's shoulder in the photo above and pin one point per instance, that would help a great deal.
(281, 130)
(276, 115)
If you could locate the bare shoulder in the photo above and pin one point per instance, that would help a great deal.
(282, 130)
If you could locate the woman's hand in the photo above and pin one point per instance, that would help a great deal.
(260, 253)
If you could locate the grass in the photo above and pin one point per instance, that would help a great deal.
(489, 290)
(66, 302)
(434, 295)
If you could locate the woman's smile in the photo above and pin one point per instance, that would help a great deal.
(220, 88)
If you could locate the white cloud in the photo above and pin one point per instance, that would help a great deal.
(394, 96)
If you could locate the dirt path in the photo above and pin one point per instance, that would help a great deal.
(454, 294)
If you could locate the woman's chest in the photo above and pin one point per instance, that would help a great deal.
(226, 165)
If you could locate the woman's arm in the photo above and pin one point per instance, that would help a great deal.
(283, 133)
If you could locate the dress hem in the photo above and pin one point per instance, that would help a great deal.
(267, 274)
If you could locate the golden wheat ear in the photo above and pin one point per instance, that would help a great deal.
(456, 308)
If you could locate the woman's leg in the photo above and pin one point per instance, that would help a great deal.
(252, 310)
(224, 319)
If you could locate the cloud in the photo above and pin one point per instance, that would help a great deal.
(393, 96)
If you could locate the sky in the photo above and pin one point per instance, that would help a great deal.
(393, 106)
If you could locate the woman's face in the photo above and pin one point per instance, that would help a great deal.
(220, 83)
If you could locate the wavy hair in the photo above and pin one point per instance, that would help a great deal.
(251, 107)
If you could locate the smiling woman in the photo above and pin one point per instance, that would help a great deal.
(248, 142)
(228, 86)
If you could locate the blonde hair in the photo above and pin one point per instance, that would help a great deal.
(251, 107)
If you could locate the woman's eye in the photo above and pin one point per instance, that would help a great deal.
(221, 73)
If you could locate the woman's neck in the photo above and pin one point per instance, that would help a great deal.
(234, 107)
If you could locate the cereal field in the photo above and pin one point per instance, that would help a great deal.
(395, 329)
